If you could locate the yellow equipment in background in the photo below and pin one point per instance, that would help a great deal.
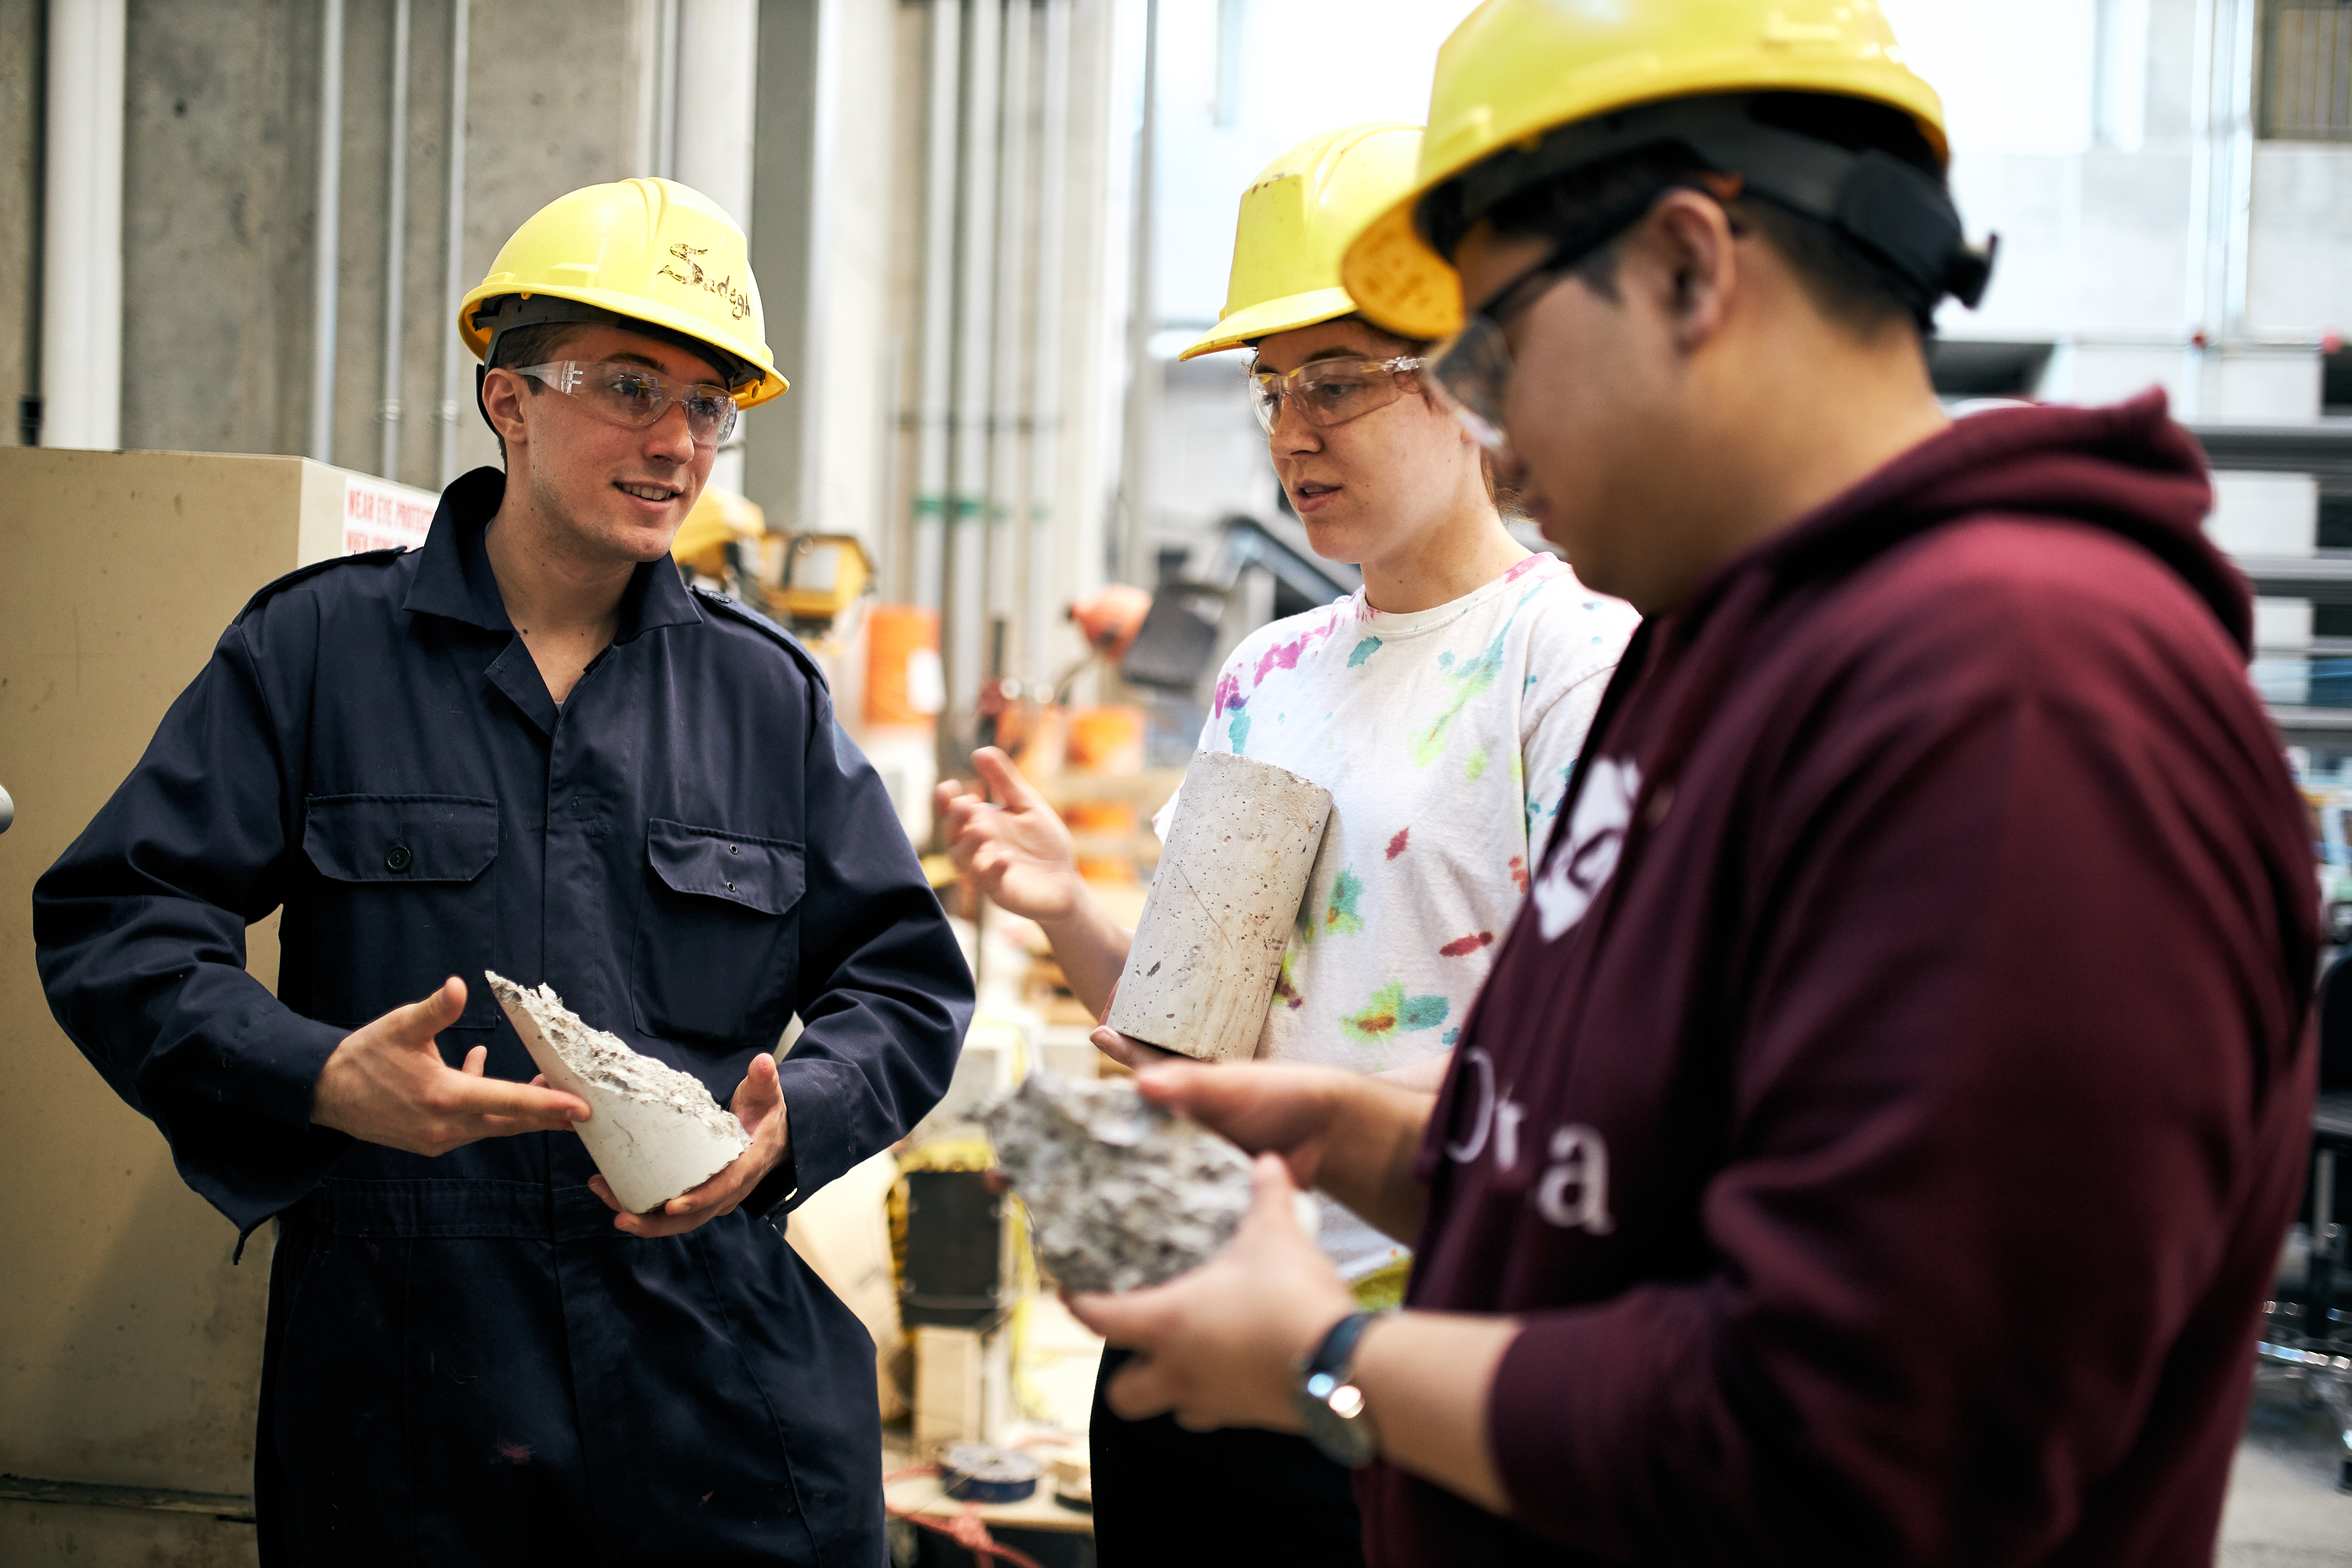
(720, 519)
(824, 575)
(808, 581)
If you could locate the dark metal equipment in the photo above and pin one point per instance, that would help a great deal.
(955, 1275)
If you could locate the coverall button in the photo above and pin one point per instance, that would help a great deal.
(398, 860)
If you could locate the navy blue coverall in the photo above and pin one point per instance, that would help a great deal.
(465, 1361)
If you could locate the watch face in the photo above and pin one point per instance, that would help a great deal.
(1332, 1412)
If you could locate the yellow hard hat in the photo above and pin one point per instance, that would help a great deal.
(1296, 217)
(644, 250)
(1516, 69)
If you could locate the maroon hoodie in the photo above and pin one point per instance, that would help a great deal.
(1885, 1112)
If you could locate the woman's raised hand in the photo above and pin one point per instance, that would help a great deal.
(1018, 851)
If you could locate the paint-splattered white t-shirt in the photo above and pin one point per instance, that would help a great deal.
(1445, 737)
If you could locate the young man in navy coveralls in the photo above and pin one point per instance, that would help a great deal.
(525, 746)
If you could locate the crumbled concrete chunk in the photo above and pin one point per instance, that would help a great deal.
(655, 1131)
(1120, 1192)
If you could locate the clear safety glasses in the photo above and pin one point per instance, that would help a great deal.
(1472, 369)
(634, 396)
(1330, 391)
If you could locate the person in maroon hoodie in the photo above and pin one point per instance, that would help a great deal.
(1875, 1137)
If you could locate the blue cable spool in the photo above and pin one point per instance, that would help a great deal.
(983, 1473)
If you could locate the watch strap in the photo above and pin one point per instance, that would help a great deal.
(1338, 1346)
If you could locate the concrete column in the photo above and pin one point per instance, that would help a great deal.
(81, 318)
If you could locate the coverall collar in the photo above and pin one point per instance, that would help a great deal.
(453, 577)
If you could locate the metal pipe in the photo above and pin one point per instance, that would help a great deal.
(28, 406)
(453, 274)
(937, 343)
(717, 55)
(81, 238)
(825, 121)
(968, 454)
(1012, 233)
(2237, 242)
(395, 239)
(326, 230)
(1141, 372)
(1045, 378)
(666, 91)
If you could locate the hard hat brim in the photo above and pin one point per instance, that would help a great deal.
(1268, 317)
(637, 308)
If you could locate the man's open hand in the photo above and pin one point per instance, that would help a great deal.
(387, 1084)
(759, 1105)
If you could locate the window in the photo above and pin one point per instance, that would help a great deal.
(2306, 70)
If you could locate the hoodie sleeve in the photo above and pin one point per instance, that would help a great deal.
(2015, 1042)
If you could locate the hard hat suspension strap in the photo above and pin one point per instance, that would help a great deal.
(1903, 218)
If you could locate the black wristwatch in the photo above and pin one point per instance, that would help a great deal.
(1331, 1406)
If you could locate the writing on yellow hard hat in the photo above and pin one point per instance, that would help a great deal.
(1518, 74)
(1296, 218)
(648, 252)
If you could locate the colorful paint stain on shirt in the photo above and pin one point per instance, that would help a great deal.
(1285, 655)
(1396, 845)
(1364, 650)
(1342, 918)
(1237, 732)
(1392, 1012)
(1519, 872)
(1475, 767)
(1462, 946)
(1286, 986)
(1466, 680)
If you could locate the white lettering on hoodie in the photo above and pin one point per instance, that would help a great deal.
(1581, 867)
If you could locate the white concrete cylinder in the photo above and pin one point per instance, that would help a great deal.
(1200, 975)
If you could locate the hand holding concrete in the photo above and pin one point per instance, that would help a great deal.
(1220, 1345)
(1019, 852)
(1129, 1052)
(758, 1104)
(387, 1084)
(1349, 1137)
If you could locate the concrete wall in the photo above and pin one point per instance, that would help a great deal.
(218, 181)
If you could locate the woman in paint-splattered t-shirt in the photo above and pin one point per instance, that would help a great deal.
(1442, 705)
(1445, 736)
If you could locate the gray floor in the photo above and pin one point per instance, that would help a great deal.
(2284, 1509)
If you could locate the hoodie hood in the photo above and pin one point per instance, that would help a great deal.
(2128, 469)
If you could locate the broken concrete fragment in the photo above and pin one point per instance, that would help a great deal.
(1201, 972)
(655, 1131)
(1121, 1193)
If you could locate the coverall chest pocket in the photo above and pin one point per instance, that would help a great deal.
(402, 903)
(718, 934)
